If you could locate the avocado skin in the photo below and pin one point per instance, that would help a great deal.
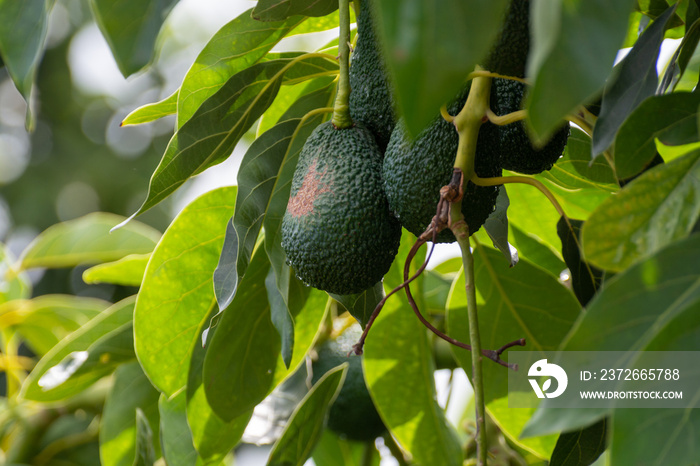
(371, 101)
(509, 53)
(338, 232)
(517, 151)
(353, 414)
(414, 172)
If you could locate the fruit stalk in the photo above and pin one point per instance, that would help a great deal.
(341, 109)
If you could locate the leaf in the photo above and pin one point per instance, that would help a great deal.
(672, 118)
(175, 435)
(331, 449)
(145, 453)
(361, 305)
(151, 112)
(88, 240)
(22, 37)
(304, 428)
(636, 79)
(535, 252)
(118, 426)
(431, 47)
(513, 303)
(585, 279)
(277, 10)
(131, 28)
(497, 228)
(110, 320)
(530, 211)
(177, 295)
(13, 284)
(573, 48)
(659, 207)
(127, 271)
(236, 46)
(281, 316)
(582, 447)
(211, 134)
(398, 371)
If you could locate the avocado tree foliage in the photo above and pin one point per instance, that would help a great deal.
(221, 329)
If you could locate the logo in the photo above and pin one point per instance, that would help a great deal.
(542, 368)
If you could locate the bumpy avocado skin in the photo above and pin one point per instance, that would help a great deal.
(353, 414)
(517, 151)
(414, 172)
(371, 100)
(509, 53)
(338, 232)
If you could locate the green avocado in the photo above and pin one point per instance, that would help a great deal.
(353, 414)
(414, 171)
(338, 232)
(371, 101)
(517, 151)
(508, 56)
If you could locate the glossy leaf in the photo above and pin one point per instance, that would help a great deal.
(211, 134)
(108, 321)
(361, 305)
(304, 428)
(659, 207)
(22, 36)
(177, 293)
(88, 240)
(277, 10)
(535, 252)
(235, 47)
(497, 228)
(532, 212)
(281, 315)
(672, 118)
(573, 48)
(127, 271)
(118, 426)
(144, 451)
(513, 303)
(175, 435)
(398, 370)
(585, 279)
(582, 447)
(431, 47)
(151, 112)
(635, 80)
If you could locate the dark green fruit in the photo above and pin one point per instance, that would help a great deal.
(509, 53)
(371, 101)
(338, 232)
(414, 172)
(517, 151)
(353, 414)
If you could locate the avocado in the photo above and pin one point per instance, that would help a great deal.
(371, 101)
(508, 55)
(414, 171)
(353, 414)
(517, 151)
(338, 232)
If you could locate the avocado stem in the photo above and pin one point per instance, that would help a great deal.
(341, 109)
(506, 119)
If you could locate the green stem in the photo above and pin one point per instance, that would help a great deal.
(368, 454)
(341, 110)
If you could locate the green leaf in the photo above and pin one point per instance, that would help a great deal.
(175, 435)
(659, 207)
(582, 447)
(535, 252)
(331, 449)
(45, 320)
(280, 311)
(127, 271)
(585, 279)
(398, 369)
(131, 28)
(88, 240)
(304, 428)
(431, 47)
(572, 51)
(277, 10)
(236, 46)
(177, 295)
(110, 321)
(13, 284)
(635, 80)
(211, 134)
(672, 118)
(151, 112)
(23, 28)
(532, 212)
(361, 305)
(575, 169)
(145, 453)
(118, 427)
(496, 227)
(513, 303)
